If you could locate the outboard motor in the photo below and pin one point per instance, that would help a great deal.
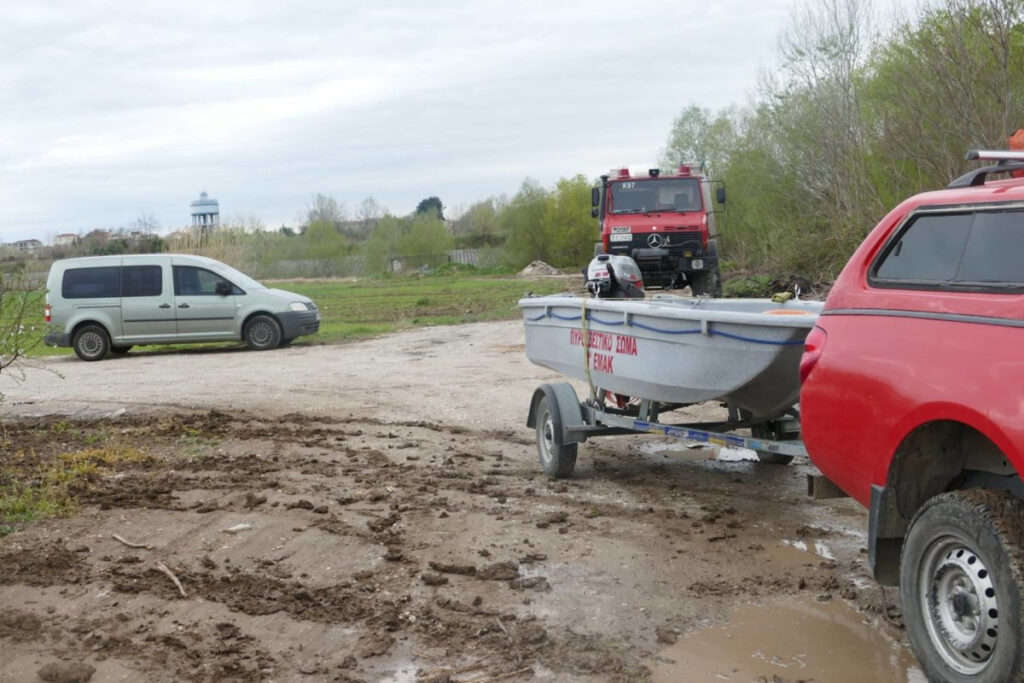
(610, 276)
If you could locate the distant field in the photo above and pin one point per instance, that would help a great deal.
(370, 307)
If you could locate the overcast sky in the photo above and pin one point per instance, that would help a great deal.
(115, 110)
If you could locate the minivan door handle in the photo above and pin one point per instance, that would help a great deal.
(182, 305)
(164, 306)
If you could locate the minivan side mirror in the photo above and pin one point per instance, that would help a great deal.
(223, 288)
(720, 195)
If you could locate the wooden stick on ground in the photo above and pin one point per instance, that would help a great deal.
(163, 567)
(519, 655)
(502, 677)
(130, 544)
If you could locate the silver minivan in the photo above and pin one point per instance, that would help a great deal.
(107, 304)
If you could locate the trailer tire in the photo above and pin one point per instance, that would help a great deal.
(558, 460)
(768, 457)
(961, 584)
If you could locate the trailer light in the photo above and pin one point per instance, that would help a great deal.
(814, 344)
(46, 314)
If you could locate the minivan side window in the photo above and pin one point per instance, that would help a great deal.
(959, 251)
(192, 281)
(141, 281)
(91, 283)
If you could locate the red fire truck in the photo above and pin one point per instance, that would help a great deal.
(664, 222)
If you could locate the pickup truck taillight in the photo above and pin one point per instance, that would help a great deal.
(47, 313)
(813, 346)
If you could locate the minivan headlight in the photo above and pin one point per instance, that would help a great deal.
(298, 306)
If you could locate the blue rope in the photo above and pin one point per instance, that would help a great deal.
(651, 328)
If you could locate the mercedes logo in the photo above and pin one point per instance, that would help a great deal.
(655, 241)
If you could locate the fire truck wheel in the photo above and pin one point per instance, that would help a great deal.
(706, 283)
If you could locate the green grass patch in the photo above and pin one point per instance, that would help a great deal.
(31, 489)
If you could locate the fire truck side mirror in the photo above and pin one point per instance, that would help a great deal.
(720, 195)
(595, 200)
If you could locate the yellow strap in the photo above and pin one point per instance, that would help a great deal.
(586, 351)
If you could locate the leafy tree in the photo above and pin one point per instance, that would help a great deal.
(569, 225)
(383, 244)
(427, 242)
(19, 304)
(431, 204)
(325, 210)
(523, 223)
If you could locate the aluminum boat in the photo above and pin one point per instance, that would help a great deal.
(675, 349)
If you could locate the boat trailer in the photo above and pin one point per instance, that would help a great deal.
(562, 422)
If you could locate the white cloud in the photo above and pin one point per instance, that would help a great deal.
(118, 109)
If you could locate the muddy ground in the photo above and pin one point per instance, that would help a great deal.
(375, 511)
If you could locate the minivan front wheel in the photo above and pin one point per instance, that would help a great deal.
(91, 342)
(262, 333)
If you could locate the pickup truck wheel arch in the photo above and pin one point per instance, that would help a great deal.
(936, 457)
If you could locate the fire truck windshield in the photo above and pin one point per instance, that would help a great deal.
(656, 194)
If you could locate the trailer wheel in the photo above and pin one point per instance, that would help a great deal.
(961, 582)
(558, 460)
(767, 431)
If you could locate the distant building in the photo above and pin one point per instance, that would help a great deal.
(205, 212)
(25, 246)
(65, 239)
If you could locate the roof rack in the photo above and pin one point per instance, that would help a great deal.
(1006, 161)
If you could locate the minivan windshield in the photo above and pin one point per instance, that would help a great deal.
(656, 194)
(236, 277)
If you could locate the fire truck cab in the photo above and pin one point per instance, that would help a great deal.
(664, 222)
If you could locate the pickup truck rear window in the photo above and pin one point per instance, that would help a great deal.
(966, 250)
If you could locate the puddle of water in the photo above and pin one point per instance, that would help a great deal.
(797, 639)
(695, 452)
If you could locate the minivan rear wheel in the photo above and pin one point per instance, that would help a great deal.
(91, 342)
(262, 333)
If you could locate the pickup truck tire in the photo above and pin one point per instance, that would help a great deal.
(961, 581)
(91, 342)
(558, 460)
(262, 333)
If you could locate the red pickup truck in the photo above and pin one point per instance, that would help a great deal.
(913, 403)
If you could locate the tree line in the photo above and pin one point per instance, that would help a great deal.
(854, 120)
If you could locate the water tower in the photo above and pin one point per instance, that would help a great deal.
(205, 212)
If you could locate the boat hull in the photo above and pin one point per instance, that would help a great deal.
(674, 349)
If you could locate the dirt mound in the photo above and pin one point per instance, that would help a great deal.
(537, 268)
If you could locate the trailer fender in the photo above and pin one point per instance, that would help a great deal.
(568, 417)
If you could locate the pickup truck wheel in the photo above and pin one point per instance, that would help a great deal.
(91, 342)
(558, 460)
(960, 582)
(262, 333)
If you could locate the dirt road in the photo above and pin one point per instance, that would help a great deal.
(374, 511)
